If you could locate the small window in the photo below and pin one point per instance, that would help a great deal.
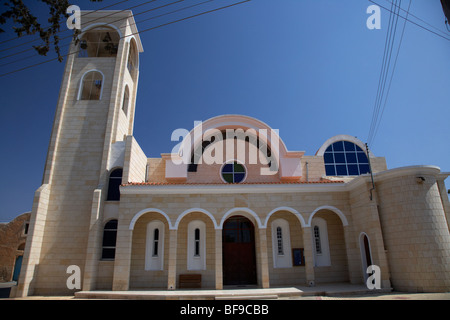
(344, 158)
(26, 227)
(280, 241)
(233, 172)
(197, 242)
(109, 240)
(125, 101)
(317, 243)
(91, 86)
(115, 180)
(155, 242)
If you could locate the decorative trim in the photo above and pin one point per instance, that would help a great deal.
(331, 208)
(148, 210)
(291, 210)
(192, 210)
(246, 210)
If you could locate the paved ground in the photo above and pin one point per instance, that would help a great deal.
(334, 291)
(386, 296)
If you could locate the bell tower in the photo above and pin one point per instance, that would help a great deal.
(94, 115)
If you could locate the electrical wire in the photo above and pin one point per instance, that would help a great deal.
(134, 15)
(390, 36)
(392, 74)
(416, 17)
(71, 36)
(415, 23)
(129, 35)
(83, 15)
(66, 30)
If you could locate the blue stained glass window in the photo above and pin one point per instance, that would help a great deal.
(362, 158)
(228, 167)
(338, 146)
(348, 146)
(341, 170)
(330, 170)
(328, 157)
(339, 157)
(344, 158)
(350, 157)
(233, 172)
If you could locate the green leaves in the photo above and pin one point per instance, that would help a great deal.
(26, 23)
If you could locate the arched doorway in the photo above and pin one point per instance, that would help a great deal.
(239, 259)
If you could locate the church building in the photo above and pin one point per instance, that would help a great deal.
(232, 206)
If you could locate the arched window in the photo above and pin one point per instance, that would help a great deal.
(281, 244)
(126, 99)
(115, 180)
(366, 256)
(154, 252)
(344, 158)
(91, 86)
(99, 42)
(132, 62)
(321, 247)
(109, 240)
(196, 248)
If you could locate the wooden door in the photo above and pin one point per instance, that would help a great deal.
(239, 260)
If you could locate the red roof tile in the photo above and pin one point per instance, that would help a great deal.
(242, 183)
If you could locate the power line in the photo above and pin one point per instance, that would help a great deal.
(388, 46)
(71, 36)
(85, 14)
(416, 17)
(415, 23)
(134, 15)
(392, 74)
(390, 39)
(381, 97)
(145, 30)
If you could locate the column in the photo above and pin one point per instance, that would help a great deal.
(94, 244)
(264, 259)
(33, 246)
(219, 260)
(309, 259)
(122, 261)
(172, 269)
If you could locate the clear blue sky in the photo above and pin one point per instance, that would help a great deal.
(309, 68)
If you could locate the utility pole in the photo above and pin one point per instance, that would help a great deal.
(371, 172)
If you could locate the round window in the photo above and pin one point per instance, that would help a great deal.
(233, 172)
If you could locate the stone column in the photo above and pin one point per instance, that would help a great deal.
(264, 259)
(172, 269)
(122, 261)
(219, 260)
(93, 252)
(308, 253)
(32, 252)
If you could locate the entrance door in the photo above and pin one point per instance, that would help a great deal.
(239, 260)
